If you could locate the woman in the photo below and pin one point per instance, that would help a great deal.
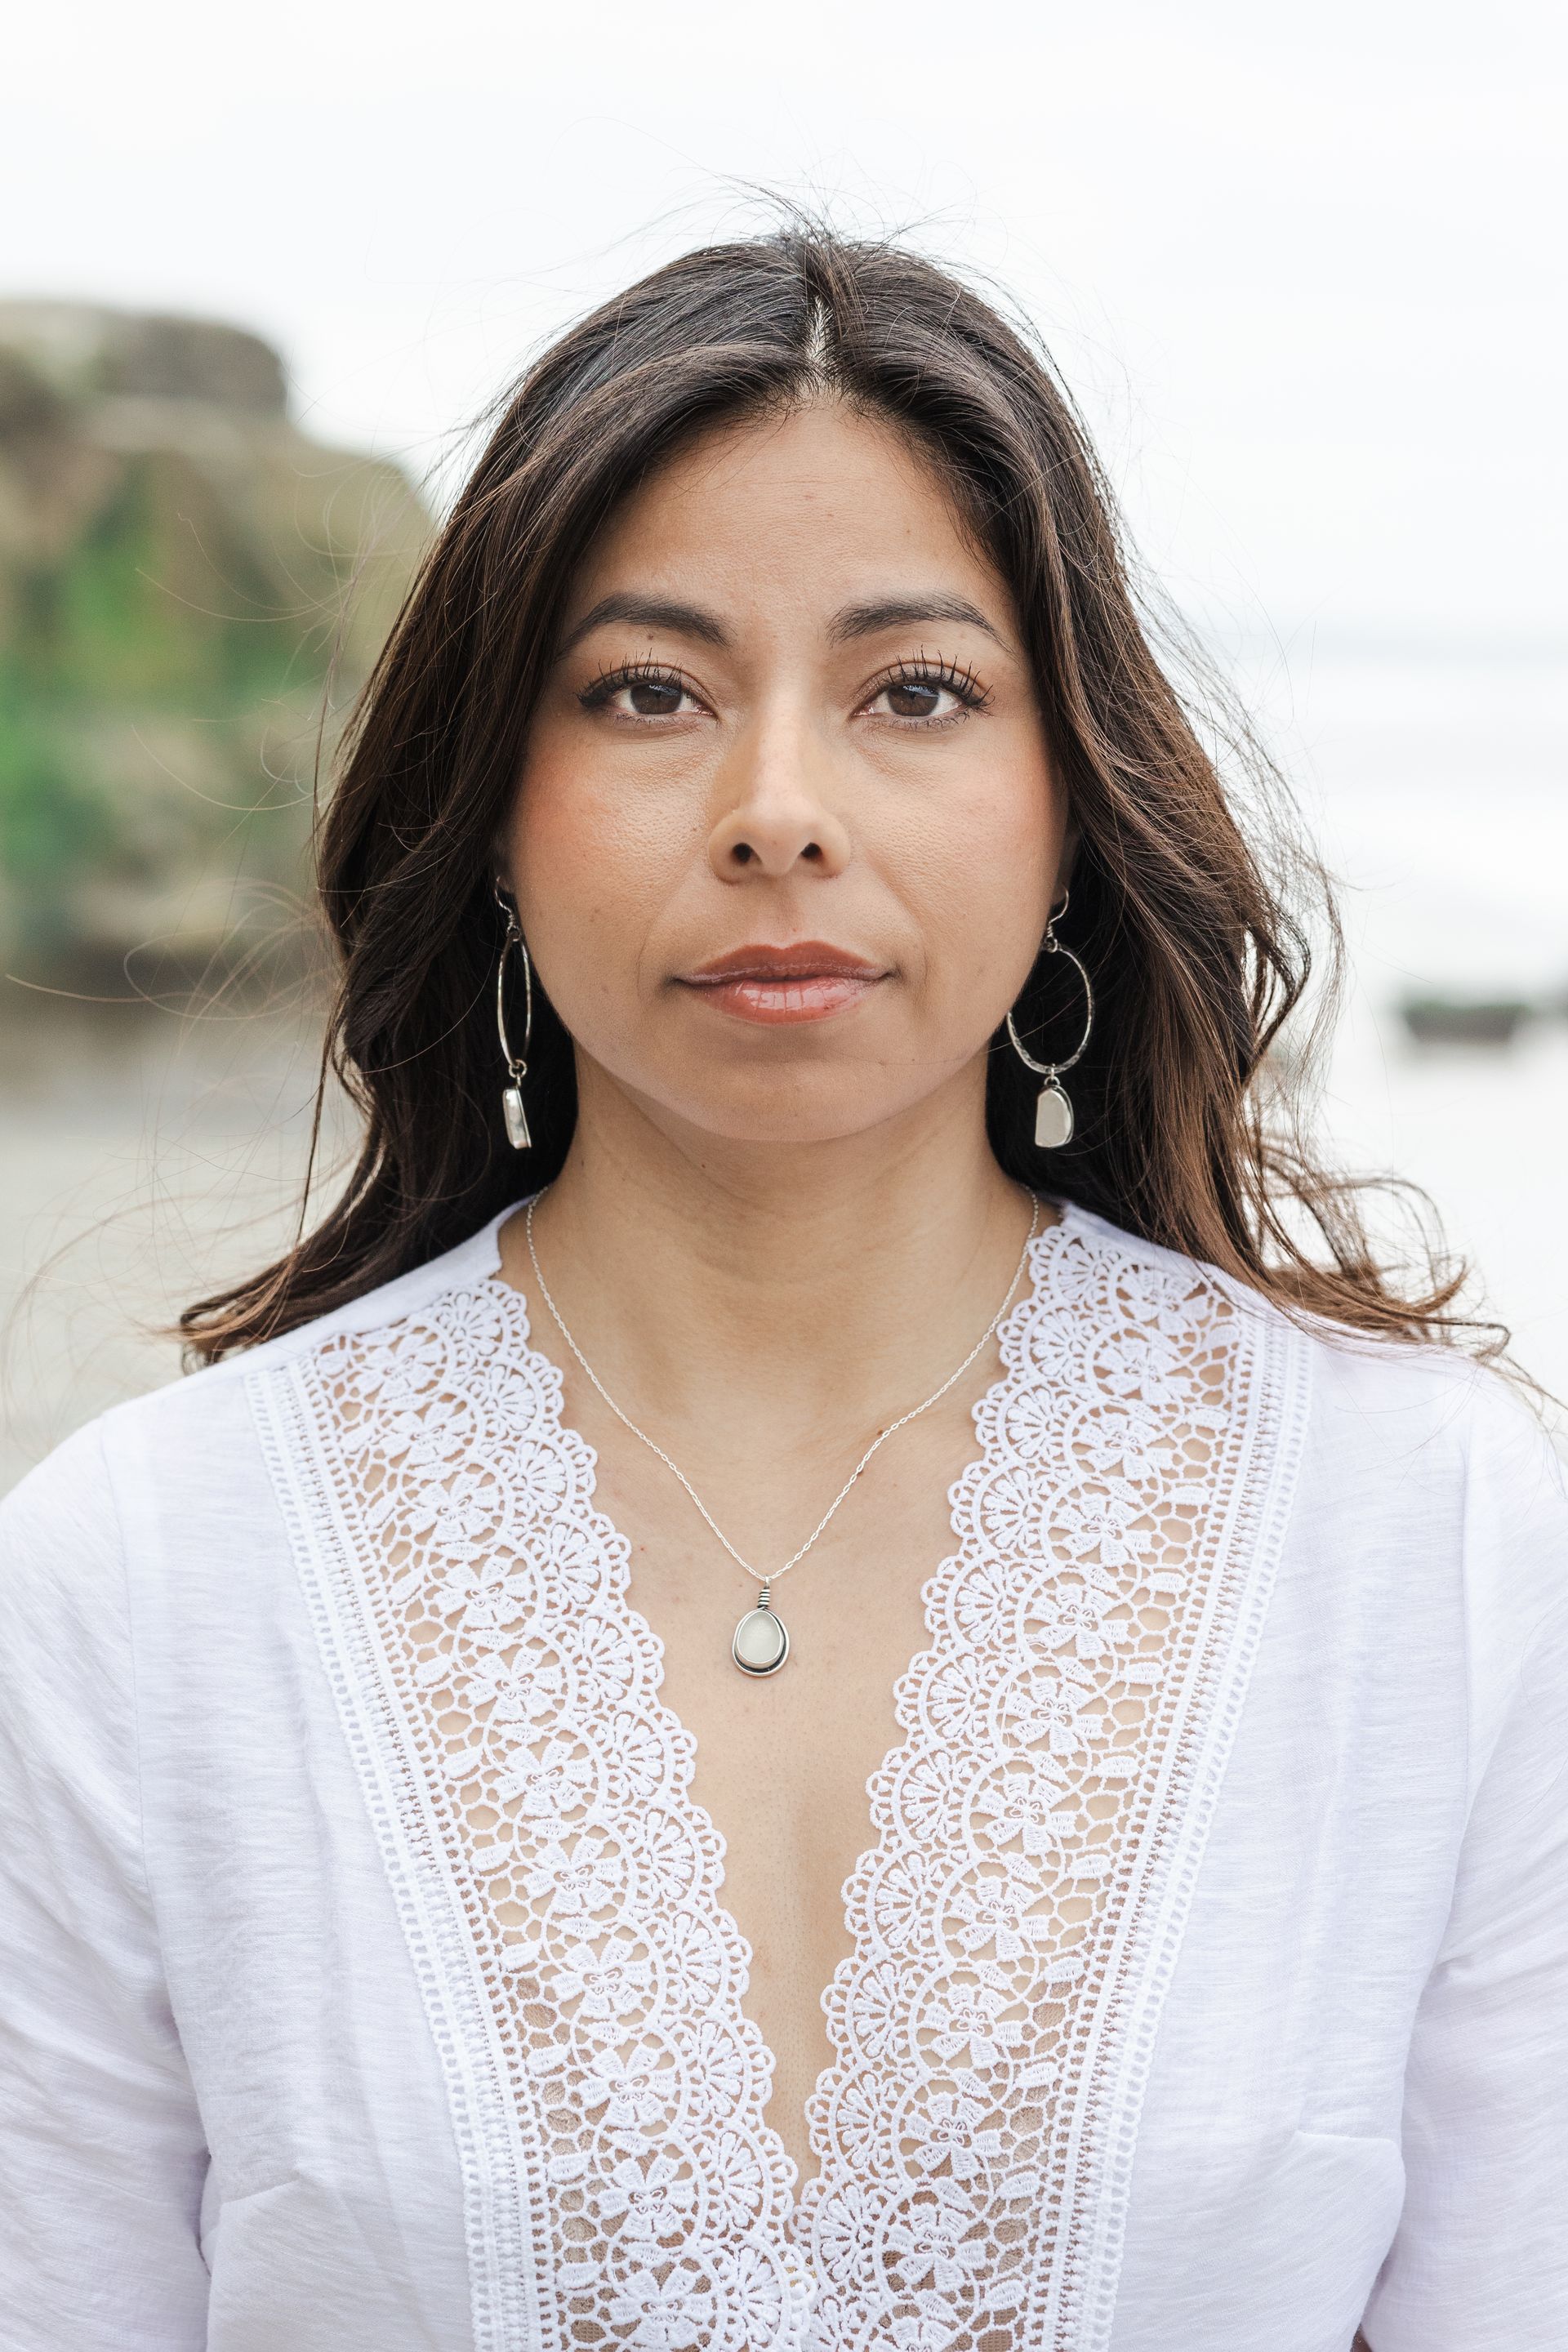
(816, 1457)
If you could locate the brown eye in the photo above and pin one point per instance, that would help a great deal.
(928, 698)
(914, 698)
(635, 691)
(655, 697)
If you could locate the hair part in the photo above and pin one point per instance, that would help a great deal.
(1199, 938)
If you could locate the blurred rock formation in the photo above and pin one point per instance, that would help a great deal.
(191, 589)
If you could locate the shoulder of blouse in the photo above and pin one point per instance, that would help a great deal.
(468, 1261)
(200, 1409)
(1404, 1403)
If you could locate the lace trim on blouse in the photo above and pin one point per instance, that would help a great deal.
(1037, 1830)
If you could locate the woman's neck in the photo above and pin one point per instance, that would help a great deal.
(793, 1285)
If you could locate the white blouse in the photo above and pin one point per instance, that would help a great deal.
(365, 1978)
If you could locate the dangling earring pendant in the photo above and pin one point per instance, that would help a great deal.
(1053, 1117)
(516, 1133)
(1053, 1111)
(512, 1112)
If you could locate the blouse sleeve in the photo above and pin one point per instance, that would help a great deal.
(102, 2158)
(1480, 2258)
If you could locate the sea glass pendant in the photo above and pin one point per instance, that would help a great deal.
(516, 1133)
(1053, 1118)
(762, 1640)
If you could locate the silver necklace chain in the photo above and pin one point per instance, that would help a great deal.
(880, 1440)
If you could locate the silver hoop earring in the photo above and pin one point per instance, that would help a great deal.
(516, 1118)
(1053, 1112)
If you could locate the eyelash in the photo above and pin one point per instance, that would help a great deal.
(609, 681)
(958, 681)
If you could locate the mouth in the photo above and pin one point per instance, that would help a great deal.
(806, 982)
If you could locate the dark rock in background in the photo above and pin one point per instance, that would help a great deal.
(190, 591)
(1465, 1020)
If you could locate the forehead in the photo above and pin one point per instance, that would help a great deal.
(821, 505)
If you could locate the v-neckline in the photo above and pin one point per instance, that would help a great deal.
(1037, 1830)
(1041, 1255)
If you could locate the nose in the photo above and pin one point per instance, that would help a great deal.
(775, 818)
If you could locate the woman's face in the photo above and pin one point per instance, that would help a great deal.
(787, 834)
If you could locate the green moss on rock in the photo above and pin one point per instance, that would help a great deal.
(187, 585)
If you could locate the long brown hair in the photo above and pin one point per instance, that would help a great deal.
(1198, 937)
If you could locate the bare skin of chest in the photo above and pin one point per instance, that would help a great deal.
(782, 1762)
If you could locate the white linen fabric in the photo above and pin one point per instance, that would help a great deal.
(365, 1972)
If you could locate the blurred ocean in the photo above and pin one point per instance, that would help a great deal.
(143, 1158)
(1436, 788)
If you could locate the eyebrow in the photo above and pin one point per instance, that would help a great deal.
(851, 622)
(647, 613)
(902, 613)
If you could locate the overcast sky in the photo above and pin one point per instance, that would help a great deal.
(1302, 264)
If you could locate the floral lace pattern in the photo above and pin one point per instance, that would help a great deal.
(1033, 1831)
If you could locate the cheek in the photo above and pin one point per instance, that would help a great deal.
(584, 865)
(984, 871)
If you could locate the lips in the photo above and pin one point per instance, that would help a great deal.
(807, 981)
